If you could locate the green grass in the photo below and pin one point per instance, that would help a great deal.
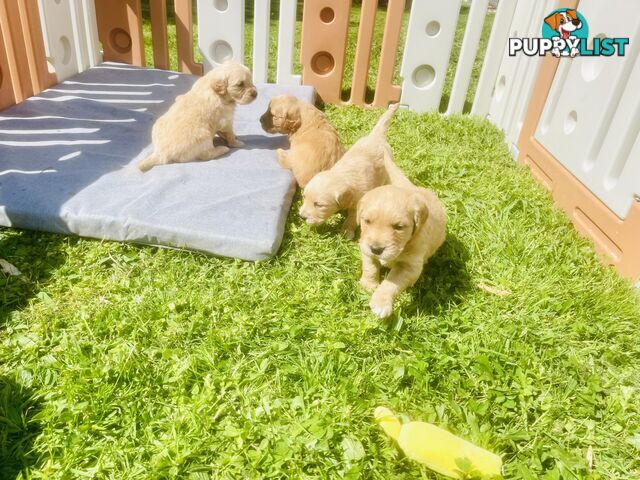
(127, 362)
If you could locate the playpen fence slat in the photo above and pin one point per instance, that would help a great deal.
(261, 27)
(323, 46)
(91, 29)
(184, 38)
(286, 43)
(41, 78)
(9, 88)
(468, 53)
(120, 30)
(12, 33)
(158, 13)
(386, 91)
(430, 36)
(511, 68)
(524, 79)
(61, 26)
(363, 51)
(220, 31)
(493, 57)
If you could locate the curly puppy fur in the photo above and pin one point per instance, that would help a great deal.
(366, 165)
(314, 143)
(401, 228)
(185, 133)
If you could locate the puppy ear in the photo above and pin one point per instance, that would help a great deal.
(420, 213)
(343, 197)
(572, 14)
(293, 121)
(219, 85)
(553, 20)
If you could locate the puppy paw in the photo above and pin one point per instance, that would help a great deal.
(381, 305)
(221, 150)
(349, 233)
(369, 284)
(236, 144)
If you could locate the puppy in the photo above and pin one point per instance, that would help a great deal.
(401, 228)
(366, 165)
(185, 133)
(315, 145)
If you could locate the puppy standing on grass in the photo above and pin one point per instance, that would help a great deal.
(401, 228)
(366, 165)
(185, 133)
(315, 144)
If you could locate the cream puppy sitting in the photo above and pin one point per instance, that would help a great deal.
(185, 133)
(315, 144)
(401, 228)
(366, 165)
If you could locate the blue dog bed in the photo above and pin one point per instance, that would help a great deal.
(68, 165)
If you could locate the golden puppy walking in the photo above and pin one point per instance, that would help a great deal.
(315, 144)
(185, 133)
(366, 165)
(401, 228)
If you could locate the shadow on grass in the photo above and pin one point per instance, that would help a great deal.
(444, 104)
(36, 255)
(444, 280)
(18, 429)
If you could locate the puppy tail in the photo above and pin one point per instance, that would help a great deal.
(395, 173)
(380, 129)
(149, 162)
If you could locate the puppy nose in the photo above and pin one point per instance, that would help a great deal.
(376, 250)
(254, 93)
(302, 215)
(576, 22)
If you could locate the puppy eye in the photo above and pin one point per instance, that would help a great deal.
(240, 84)
(398, 226)
(317, 205)
(561, 21)
(366, 221)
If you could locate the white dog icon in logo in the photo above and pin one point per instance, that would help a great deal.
(565, 23)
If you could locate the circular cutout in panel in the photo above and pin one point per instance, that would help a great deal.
(327, 15)
(570, 122)
(120, 40)
(221, 51)
(424, 76)
(322, 63)
(221, 5)
(499, 91)
(65, 45)
(433, 28)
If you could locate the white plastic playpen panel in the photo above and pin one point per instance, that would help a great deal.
(517, 74)
(70, 34)
(591, 120)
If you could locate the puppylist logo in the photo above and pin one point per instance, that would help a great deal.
(565, 33)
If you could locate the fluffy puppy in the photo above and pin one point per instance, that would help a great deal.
(401, 228)
(185, 133)
(366, 165)
(314, 143)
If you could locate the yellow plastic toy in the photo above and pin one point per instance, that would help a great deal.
(438, 449)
